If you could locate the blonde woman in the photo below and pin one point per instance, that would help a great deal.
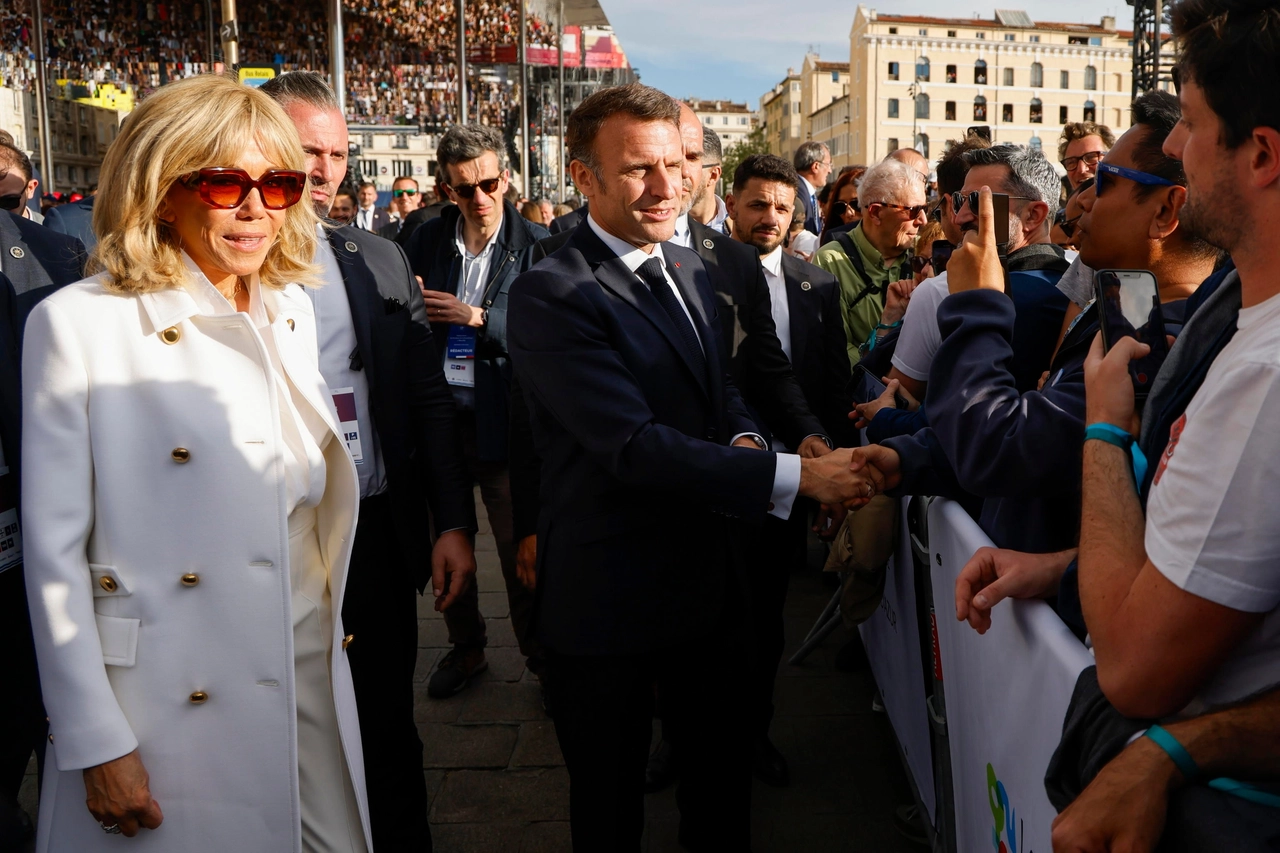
(189, 506)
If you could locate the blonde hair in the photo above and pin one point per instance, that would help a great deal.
(191, 124)
(931, 231)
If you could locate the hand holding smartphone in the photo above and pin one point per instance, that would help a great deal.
(1129, 307)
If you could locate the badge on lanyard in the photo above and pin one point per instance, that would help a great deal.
(344, 400)
(460, 356)
(10, 534)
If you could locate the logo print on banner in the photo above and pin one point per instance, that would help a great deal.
(1002, 814)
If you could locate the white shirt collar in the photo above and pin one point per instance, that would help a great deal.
(812, 189)
(722, 213)
(772, 262)
(462, 244)
(683, 236)
(627, 253)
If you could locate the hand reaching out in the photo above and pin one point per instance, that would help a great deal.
(994, 574)
(863, 412)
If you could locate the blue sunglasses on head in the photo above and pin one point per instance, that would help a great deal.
(1108, 172)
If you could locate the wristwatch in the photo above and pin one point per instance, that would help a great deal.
(759, 442)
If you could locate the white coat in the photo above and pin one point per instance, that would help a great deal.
(157, 563)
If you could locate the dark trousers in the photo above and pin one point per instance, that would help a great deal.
(466, 625)
(380, 611)
(603, 706)
(780, 550)
(22, 720)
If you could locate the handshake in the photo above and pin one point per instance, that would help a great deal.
(850, 476)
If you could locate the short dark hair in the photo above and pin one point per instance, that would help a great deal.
(1157, 112)
(808, 154)
(12, 157)
(464, 142)
(364, 184)
(712, 152)
(1231, 50)
(952, 165)
(766, 167)
(413, 180)
(634, 99)
(307, 87)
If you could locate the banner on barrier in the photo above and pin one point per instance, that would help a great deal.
(892, 640)
(1006, 693)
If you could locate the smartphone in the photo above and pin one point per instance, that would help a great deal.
(940, 254)
(863, 387)
(1129, 306)
(1000, 214)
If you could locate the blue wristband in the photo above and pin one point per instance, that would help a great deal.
(1114, 435)
(1176, 751)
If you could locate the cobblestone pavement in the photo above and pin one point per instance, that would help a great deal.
(497, 782)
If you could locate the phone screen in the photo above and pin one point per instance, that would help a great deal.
(1000, 219)
(1129, 307)
(939, 255)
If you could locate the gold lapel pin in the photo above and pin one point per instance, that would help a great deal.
(352, 247)
(17, 252)
(804, 285)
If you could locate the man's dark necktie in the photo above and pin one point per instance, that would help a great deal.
(650, 273)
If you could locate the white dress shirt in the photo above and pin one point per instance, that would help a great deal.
(682, 237)
(786, 473)
(473, 278)
(778, 304)
(336, 335)
(364, 218)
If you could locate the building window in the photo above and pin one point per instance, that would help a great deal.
(1096, 41)
(893, 144)
(922, 69)
(402, 168)
(724, 119)
(922, 144)
(951, 110)
(980, 72)
(1006, 112)
(1035, 144)
(922, 105)
(1064, 79)
(402, 141)
(1033, 39)
(835, 76)
(923, 32)
(951, 34)
(1090, 111)
(1037, 75)
(893, 71)
(980, 35)
(1008, 76)
(368, 169)
(980, 108)
(1077, 39)
(1090, 77)
(893, 108)
(1062, 115)
(893, 31)
(366, 139)
(951, 74)
(1010, 37)
(1037, 111)
(706, 120)
(743, 120)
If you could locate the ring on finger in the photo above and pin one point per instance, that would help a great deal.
(113, 829)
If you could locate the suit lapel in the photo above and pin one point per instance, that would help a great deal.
(797, 310)
(18, 261)
(362, 290)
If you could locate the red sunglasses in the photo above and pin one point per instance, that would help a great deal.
(225, 188)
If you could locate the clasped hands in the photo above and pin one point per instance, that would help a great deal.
(850, 477)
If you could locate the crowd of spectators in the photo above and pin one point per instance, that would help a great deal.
(401, 54)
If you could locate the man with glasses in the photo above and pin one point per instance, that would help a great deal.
(405, 199)
(872, 261)
(467, 258)
(813, 165)
(1081, 146)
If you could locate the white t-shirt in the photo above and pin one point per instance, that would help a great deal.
(1211, 518)
(920, 337)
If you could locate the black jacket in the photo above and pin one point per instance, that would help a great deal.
(637, 478)
(433, 253)
(74, 220)
(569, 221)
(411, 406)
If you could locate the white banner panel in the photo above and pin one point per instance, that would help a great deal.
(1006, 695)
(892, 639)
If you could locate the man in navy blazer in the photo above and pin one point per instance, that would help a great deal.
(75, 219)
(647, 452)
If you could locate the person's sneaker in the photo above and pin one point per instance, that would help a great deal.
(455, 671)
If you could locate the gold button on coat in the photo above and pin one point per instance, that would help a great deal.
(108, 583)
(190, 579)
(171, 335)
(347, 640)
(199, 697)
(181, 454)
(290, 322)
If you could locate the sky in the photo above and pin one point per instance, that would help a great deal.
(738, 49)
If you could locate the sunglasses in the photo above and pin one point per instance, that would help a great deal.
(399, 193)
(488, 186)
(912, 211)
(1107, 173)
(1090, 159)
(10, 202)
(1068, 226)
(958, 201)
(919, 262)
(224, 188)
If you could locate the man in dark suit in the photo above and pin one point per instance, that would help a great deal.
(805, 303)
(75, 219)
(615, 338)
(813, 165)
(467, 259)
(369, 217)
(34, 262)
(569, 221)
(377, 356)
